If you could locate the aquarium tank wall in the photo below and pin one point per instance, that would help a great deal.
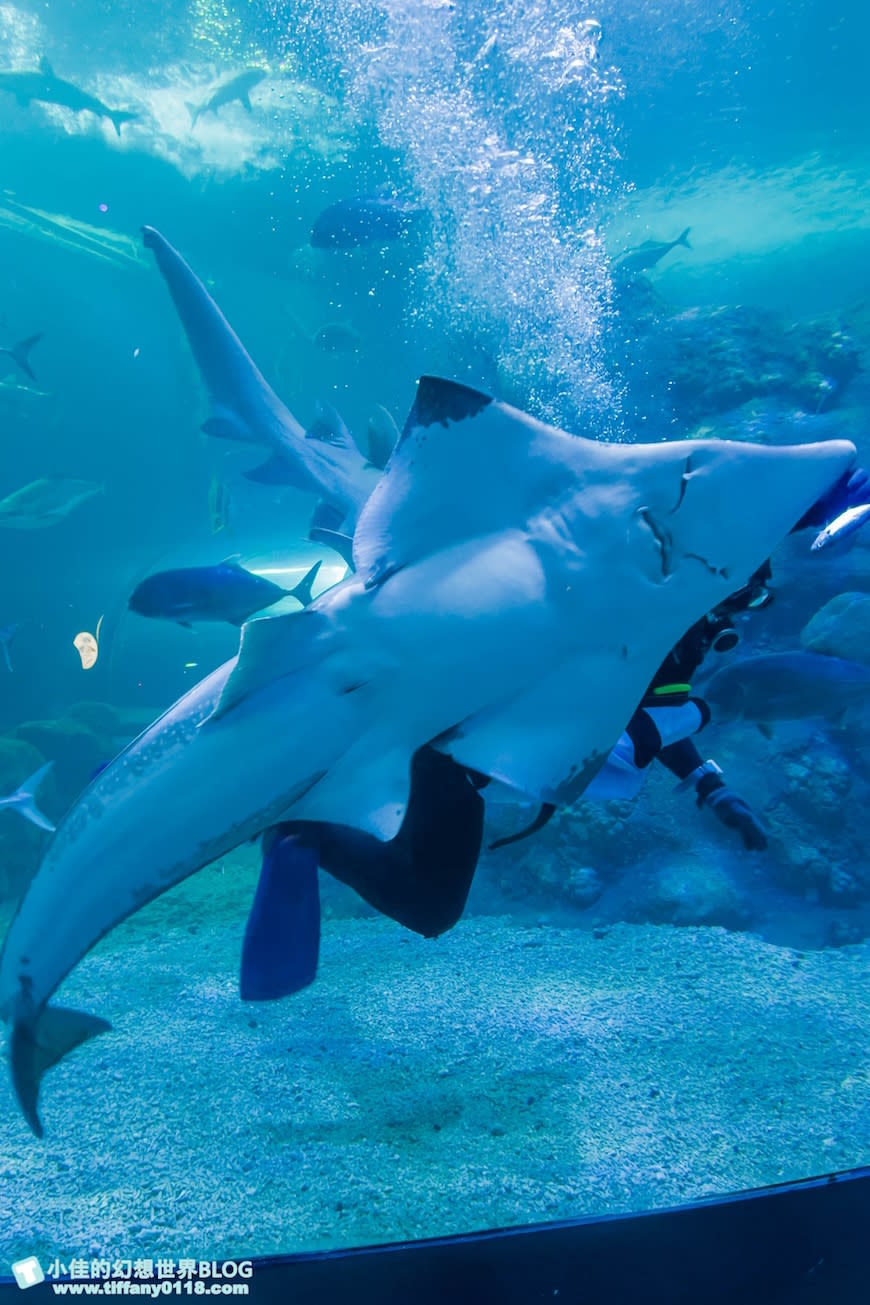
(435, 630)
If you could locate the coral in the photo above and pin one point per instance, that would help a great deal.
(76, 750)
(583, 886)
(689, 892)
(841, 628)
(817, 786)
(682, 367)
(555, 866)
(97, 716)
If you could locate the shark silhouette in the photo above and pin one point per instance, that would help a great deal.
(237, 88)
(45, 85)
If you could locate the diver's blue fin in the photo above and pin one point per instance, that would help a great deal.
(282, 937)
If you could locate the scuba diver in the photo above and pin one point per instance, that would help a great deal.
(421, 878)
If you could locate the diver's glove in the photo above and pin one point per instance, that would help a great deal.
(732, 811)
(851, 490)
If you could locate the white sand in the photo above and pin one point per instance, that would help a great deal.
(498, 1075)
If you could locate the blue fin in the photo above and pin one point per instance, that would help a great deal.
(282, 937)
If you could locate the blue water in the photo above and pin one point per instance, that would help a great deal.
(541, 141)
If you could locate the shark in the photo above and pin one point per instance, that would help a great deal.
(323, 461)
(237, 88)
(515, 589)
(43, 84)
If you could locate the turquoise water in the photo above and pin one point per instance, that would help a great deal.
(533, 145)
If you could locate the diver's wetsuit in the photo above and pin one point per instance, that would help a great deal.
(422, 876)
(671, 689)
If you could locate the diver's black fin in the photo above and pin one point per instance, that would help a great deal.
(282, 936)
(543, 817)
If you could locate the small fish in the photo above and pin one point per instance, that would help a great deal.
(226, 592)
(87, 646)
(649, 253)
(237, 88)
(219, 505)
(44, 502)
(45, 86)
(19, 357)
(841, 527)
(337, 337)
(363, 220)
(7, 634)
(23, 799)
(786, 686)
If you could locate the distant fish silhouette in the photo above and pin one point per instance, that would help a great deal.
(44, 502)
(45, 86)
(23, 800)
(219, 505)
(786, 686)
(363, 220)
(237, 88)
(645, 256)
(19, 355)
(337, 337)
(7, 634)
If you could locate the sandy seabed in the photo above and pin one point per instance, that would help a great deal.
(501, 1074)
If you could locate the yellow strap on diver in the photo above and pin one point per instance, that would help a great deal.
(664, 689)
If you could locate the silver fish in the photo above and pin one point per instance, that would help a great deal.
(841, 527)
